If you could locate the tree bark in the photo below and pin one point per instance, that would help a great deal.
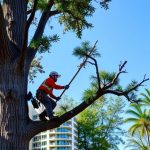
(13, 109)
(15, 16)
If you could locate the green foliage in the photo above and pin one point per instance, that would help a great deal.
(105, 78)
(141, 120)
(43, 44)
(88, 94)
(140, 127)
(105, 3)
(65, 105)
(146, 98)
(137, 143)
(42, 4)
(84, 50)
(98, 125)
(35, 67)
(74, 13)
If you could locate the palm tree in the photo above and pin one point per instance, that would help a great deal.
(141, 121)
(146, 99)
(137, 143)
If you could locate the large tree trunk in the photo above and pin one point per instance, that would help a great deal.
(13, 109)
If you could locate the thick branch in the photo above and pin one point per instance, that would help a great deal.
(40, 28)
(97, 72)
(39, 126)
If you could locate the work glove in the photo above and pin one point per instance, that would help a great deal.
(66, 86)
(57, 98)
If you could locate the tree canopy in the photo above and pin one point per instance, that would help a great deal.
(18, 59)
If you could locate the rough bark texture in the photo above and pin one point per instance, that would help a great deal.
(13, 109)
(15, 16)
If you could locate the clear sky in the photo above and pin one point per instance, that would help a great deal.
(123, 33)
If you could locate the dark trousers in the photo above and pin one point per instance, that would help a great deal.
(46, 101)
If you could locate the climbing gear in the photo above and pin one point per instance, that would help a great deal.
(44, 84)
(35, 103)
(43, 115)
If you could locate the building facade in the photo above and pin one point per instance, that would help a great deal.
(61, 138)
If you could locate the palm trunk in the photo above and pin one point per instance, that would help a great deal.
(13, 109)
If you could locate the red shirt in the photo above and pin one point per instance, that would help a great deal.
(48, 85)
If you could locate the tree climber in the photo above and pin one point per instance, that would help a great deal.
(45, 95)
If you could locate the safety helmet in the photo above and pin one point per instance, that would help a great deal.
(54, 73)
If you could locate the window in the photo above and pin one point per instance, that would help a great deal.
(63, 143)
(44, 143)
(62, 130)
(36, 138)
(36, 145)
(44, 137)
(62, 136)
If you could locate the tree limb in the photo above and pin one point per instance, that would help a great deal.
(97, 72)
(32, 15)
(39, 126)
(126, 93)
(121, 66)
(25, 42)
(40, 28)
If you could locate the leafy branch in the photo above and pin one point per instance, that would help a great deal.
(110, 85)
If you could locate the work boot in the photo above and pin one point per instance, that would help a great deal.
(53, 117)
(42, 117)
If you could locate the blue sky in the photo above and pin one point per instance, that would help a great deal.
(123, 33)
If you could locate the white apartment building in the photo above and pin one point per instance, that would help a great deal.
(61, 138)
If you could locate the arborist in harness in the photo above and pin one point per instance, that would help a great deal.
(45, 95)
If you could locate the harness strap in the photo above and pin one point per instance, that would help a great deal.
(46, 86)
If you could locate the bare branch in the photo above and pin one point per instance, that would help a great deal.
(97, 72)
(127, 92)
(137, 85)
(121, 66)
(32, 15)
